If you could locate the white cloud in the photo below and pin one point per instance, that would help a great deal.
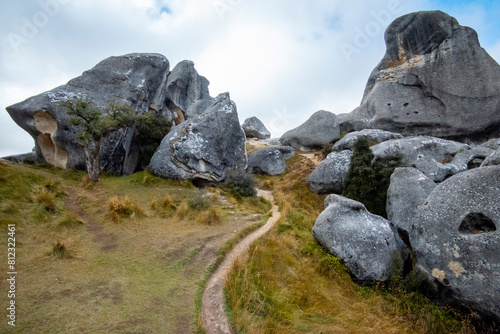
(280, 60)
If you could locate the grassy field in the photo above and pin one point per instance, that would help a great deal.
(288, 284)
(127, 255)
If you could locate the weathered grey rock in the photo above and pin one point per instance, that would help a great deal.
(287, 151)
(26, 158)
(135, 79)
(372, 135)
(329, 175)
(408, 190)
(273, 142)
(254, 128)
(187, 92)
(268, 161)
(321, 128)
(468, 159)
(435, 79)
(492, 160)
(426, 153)
(455, 238)
(365, 242)
(205, 147)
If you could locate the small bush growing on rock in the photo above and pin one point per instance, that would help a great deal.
(151, 130)
(366, 182)
(241, 183)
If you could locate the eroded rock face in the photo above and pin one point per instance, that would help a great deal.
(365, 242)
(321, 128)
(270, 161)
(205, 147)
(187, 92)
(329, 175)
(254, 128)
(456, 239)
(135, 79)
(435, 79)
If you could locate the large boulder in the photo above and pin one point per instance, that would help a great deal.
(367, 243)
(456, 242)
(407, 191)
(135, 79)
(254, 128)
(321, 128)
(435, 79)
(203, 148)
(374, 136)
(427, 154)
(328, 177)
(268, 161)
(187, 92)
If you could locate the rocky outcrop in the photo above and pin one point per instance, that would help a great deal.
(287, 151)
(373, 136)
(455, 239)
(329, 175)
(408, 190)
(321, 128)
(492, 160)
(427, 154)
(254, 128)
(366, 243)
(204, 148)
(270, 161)
(435, 79)
(187, 92)
(26, 158)
(135, 79)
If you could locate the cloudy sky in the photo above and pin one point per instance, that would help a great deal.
(281, 60)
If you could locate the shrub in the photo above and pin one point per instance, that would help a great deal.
(327, 149)
(366, 182)
(150, 132)
(240, 183)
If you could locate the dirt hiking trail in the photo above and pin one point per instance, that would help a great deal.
(214, 317)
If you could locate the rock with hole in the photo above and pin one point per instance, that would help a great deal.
(456, 240)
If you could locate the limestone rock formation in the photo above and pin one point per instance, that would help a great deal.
(287, 151)
(187, 92)
(268, 161)
(428, 154)
(203, 148)
(365, 242)
(492, 160)
(329, 175)
(408, 190)
(435, 79)
(254, 128)
(321, 128)
(371, 135)
(456, 241)
(135, 79)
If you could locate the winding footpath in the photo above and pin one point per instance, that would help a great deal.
(214, 317)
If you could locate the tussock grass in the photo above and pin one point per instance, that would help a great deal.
(59, 251)
(123, 208)
(287, 283)
(210, 217)
(121, 277)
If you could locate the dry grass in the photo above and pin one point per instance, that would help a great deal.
(123, 208)
(289, 284)
(139, 276)
(210, 217)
